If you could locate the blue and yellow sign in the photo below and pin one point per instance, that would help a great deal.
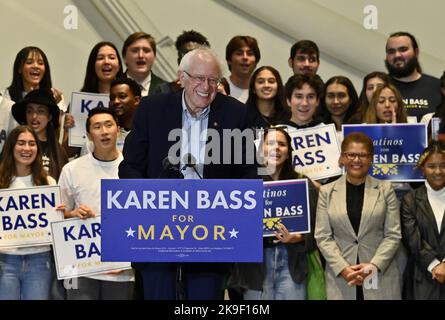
(286, 202)
(182, 220)
(397, 147)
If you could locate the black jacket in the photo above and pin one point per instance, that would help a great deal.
(424, 243)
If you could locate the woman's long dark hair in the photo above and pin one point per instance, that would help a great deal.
(353, 106)
(91, 82)
(287, 171)
(8, 168)
(16, 88)
(57, 156)
(282, 111)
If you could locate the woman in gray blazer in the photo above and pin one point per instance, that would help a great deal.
(357, 228)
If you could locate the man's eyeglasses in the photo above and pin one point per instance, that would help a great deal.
(352, 155)
(201, 79)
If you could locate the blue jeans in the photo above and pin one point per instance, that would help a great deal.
(278, 283)
(26, 277)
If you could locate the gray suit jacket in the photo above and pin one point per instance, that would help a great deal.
(377, 240)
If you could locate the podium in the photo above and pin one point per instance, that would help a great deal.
(177, 220)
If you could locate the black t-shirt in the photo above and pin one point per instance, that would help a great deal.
(421, 96)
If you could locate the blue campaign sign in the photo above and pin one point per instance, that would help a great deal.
(182, 220)
(397, 147)
(286, 202)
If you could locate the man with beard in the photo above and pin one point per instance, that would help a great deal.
(125, 96)
(139, 54)
(304, 57)
(420, 92)
(242, 56)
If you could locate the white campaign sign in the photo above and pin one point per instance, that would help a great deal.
(81, 103)
(77, 249)
(435, 125)
(316, 151)
(26, 214)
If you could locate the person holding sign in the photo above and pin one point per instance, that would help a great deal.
(39, 111)
(358, 228)
(25, 273)
(422, 213)
(387, 107)
(104, 65)
(80, 188)
(282, 275)
(265, 105)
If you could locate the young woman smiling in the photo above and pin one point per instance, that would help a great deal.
(25, 272)
(265, 106)
(283, 274)
(423, 233)
(31, 71)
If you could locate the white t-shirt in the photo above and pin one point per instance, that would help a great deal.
(26, 182)
(7, 122)
(80, 184)
(238, 93)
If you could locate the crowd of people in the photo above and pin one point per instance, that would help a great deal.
(360, 225)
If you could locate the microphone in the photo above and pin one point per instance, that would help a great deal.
(169, 169)
(166, 163)
(190, 161)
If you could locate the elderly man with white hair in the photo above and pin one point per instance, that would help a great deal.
(195, 109)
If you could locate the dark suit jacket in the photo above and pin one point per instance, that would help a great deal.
(147, 144)
(155, 82)
(424, 243)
